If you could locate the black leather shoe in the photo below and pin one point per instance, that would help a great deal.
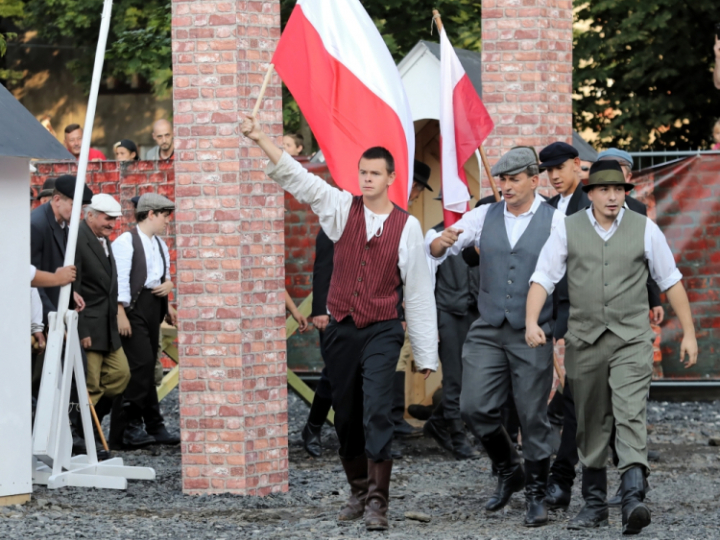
(556, 497)
(421, 412)
(135, 435)
(595, 512)
(312, 443)
(396, 453)
(102, 454)
(461, 447)
(635, 514)
(437, 429)
(78, 444)
(511, 477)
(536, 477)
(162, 436)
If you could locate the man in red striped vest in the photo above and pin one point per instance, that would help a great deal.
(379, 263)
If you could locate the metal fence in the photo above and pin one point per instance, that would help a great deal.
(643, 160)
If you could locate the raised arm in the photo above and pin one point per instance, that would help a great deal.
(251, 129)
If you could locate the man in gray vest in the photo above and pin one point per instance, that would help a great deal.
(607, 251)
(509, 234)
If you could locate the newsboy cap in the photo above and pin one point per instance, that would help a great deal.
(65, 184)
(47, 188)
(153, 201)
(515, 161)
(616, 154)
(556, 153)
(102, 202)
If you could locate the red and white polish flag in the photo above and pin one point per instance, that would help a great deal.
(464, 126)
(337, 67)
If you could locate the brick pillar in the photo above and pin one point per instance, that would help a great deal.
(527, 72)
(229, 220)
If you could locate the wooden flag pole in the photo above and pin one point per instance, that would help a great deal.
(496, 193)
(97, 424)
(265, 83)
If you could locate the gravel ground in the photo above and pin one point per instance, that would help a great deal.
(685, 495)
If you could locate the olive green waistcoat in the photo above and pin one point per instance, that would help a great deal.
(607, 280)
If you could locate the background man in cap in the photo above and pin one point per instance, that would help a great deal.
(510, 234)
(126, 150)
(143, 268)
(46, 191)
(607, 252)
(421, 179)
(107, 372)
(456, 293)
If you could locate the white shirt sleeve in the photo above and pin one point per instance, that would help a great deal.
(552, 262)
(330, 204)
(33, 271)
(419, 296)
(471, 224)
(123, 253)
(660, 258)
(36, 311)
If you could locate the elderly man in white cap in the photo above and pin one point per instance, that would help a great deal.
(496, 359)
(143, 288)
(107, 367)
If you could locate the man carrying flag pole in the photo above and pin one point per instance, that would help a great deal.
(334, 61)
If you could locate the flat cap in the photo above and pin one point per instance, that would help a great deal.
(65, 184)
(106, 204)
(153, 201)
(47, 188)
(556, 153)
(515, 161)
(135, 200)
(616, 154)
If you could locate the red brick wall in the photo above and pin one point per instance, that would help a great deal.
(233, 393)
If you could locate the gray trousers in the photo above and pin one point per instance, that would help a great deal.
(610, 380)
(453, 330)
(496, 360)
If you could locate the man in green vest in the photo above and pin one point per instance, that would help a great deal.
(607, 252)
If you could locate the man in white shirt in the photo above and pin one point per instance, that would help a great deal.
(378, 255)
(509, 235)
(607, 252)
(143, 270)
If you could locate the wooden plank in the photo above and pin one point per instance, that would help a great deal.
(170, 381)
(10, 500)
(305, 392)
(305, 308)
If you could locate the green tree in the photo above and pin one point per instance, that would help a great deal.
(139, 41)
(642, 74)
(10, 10)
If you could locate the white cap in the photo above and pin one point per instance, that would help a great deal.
(106, 204)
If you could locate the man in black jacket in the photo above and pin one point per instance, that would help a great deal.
(322, 402)
(562, 164)
(107, 372)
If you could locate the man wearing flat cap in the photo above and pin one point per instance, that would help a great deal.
(607, 252)
(143, 268)
(509, 235)
(107, 372)
(46, 191)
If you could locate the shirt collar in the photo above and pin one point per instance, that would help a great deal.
(535, 205)
(143, 234)
(595, 223)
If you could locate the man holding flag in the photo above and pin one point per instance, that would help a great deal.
(509, 235)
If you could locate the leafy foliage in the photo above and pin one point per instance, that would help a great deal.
(642, 74)
(139, 41)
(12, 10)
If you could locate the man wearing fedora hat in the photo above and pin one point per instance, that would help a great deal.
(509, 234)
(607, 252)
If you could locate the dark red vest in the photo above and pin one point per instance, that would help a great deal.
(366, 282)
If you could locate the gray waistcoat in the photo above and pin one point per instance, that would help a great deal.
(505, 272)
(607, 280)
(456, 285)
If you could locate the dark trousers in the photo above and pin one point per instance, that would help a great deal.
(453, 330)
(361, 367)
(563, 468)
(323, 390)
(141, 349)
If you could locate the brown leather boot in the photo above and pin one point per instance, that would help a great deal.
(376, 506)
(356, 471)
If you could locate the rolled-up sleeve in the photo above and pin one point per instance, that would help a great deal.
(123, 252)
(661, 262)
(552, 262)
(471, 225)
(419, 297)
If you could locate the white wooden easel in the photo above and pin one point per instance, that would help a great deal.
(52, 439)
